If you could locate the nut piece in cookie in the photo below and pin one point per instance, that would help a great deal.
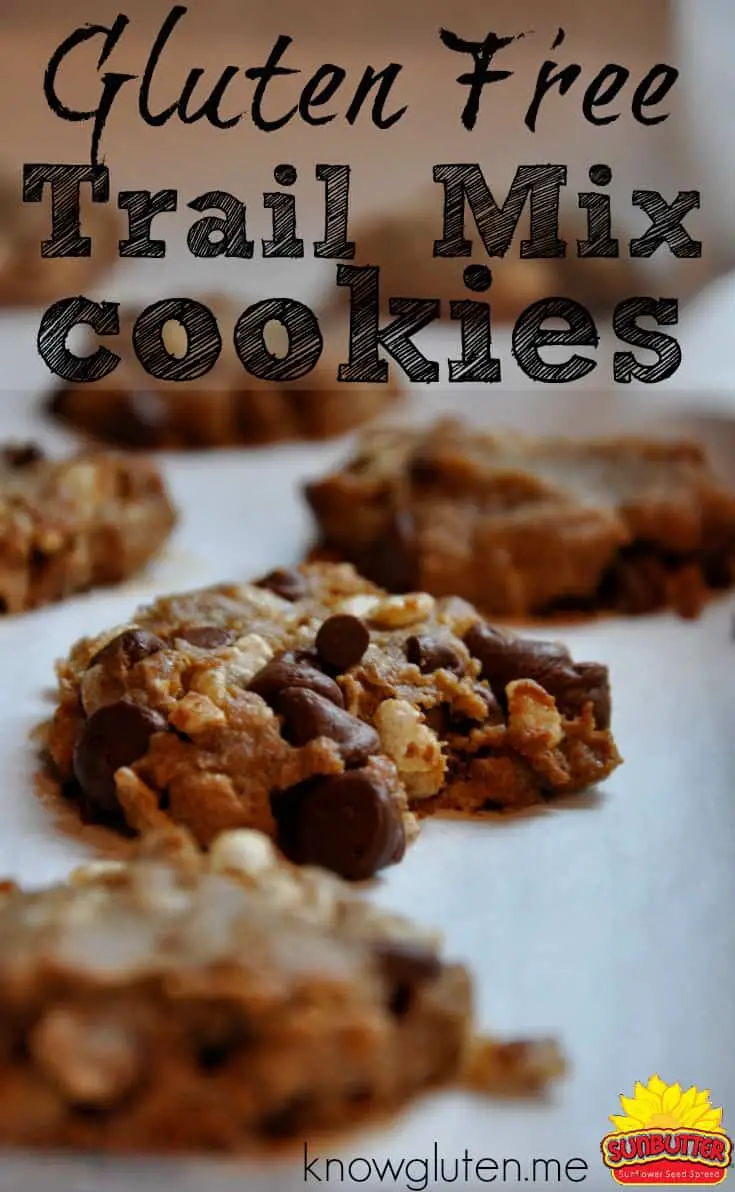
(529, 526)
(73, 524)
(324, 712)
(182, 1002)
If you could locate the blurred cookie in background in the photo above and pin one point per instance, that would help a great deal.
(29, 279)
(228, 406)
(91, 520)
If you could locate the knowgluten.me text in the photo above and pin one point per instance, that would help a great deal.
(419, 1173)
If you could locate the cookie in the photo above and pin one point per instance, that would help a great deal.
(402, 244)
(73, 524)
(522, 525)
(27, 278)
(176, 1004)
(316, 708)
(226, 407)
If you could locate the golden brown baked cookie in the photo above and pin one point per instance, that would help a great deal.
(314, 707)
(522, 525)
(27, 278)
(226, 407)
(180, 1003)
(77, 523)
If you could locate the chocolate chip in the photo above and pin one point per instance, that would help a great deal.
(463, 724)
(572, 684)
(401, 844)
(207, 637)
(718, 568)
(431, 654)
(636, 585)
(593, 684)
(445, 718)
(347, 823)
(341, 641)
(116, 735)
(407, 966)
(438, 719)
(492, 707)
(22, 455)
(286, 582)
(129, 647)
(308, 716)
(138, 419)
(423, 468)
(392, 562)
(218, 1032)
(293, 668)
(289, 1118)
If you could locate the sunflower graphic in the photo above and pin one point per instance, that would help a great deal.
(659, 1106)
(667, 1135)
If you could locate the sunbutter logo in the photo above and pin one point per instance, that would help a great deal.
(666, 1136)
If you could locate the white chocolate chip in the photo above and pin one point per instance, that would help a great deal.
(195, 713)
(156, 888)
(359, 606)
(93, 1061)
(266, 601)
(246, 657)
(397, 612)
(95, 871)
(80, 482)
(48, 540)
(412, 745)
(242, 851)
(282, 890)
(210, 682)
(322, 893)
(98, 688)
(533, 714)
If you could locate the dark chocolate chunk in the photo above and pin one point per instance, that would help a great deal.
(207, 637)
(286, 582)
(491, 704)
(129, 647)
(463, 724)
(138, 419)
(342, 641)
(114, 736)
(572, 684)
(431, 654)
(593, 684)
(423, 468)
(718, 568)
(293, 668)
(407, 966)
(290, 1118)
(636, 584)
(347, 823)
(438, 719)
(22, 455)
(308, 716)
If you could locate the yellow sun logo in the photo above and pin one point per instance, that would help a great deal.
(659, 1106)
(667, 1135)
